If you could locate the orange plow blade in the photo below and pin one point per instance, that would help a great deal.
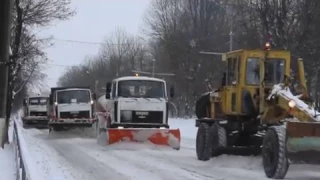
(167, 137)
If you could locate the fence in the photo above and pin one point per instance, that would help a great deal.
(21, 167)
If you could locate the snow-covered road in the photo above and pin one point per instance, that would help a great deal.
(69, 156)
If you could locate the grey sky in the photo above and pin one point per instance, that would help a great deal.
(95, 19)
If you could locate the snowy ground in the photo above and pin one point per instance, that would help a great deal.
(7, 160)
(69, 156)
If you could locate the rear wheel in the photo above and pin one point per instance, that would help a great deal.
(204, 142)
(275, 161)
(219, 139)
(25, 125)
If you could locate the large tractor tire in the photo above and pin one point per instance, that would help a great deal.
(204, 142)
(219, 139)
(202, 105)
(275, 161)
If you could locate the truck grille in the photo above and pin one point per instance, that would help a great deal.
(80, 114)
(152, 117)
(33, 113)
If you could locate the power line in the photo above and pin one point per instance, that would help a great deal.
(95, 43)
(118, 44)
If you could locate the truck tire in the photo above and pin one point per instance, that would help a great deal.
(204, 142)
(202, 105)
(219, 139)
(57, 128)
(274, 159)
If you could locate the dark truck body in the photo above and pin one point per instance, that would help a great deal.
(65, 119)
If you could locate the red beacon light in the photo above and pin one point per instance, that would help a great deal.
(267, 46)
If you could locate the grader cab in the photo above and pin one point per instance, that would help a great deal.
(260, 106)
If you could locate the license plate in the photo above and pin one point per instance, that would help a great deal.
(140, 113)
(74, 112)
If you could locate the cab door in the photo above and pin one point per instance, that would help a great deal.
(232, 84)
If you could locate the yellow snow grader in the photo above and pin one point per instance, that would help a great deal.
(260, 105)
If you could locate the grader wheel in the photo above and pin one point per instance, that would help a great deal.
(209, 140)
(204, 142)
(219, 139)
(275, 161)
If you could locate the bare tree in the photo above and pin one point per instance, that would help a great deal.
(27, 48)
(119, 55)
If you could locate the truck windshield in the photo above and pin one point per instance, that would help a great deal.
(141, 89)
(73, 96)
(38, 101)
(274, 71)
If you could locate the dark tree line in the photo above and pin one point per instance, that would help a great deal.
(178, 30)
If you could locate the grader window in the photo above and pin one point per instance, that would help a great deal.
(274, 71)
(252, 71)
(232, 71)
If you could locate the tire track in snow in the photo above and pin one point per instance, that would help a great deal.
(165, 170)
(92, 168)
(122, 162)
(205, 169)
(149, 168)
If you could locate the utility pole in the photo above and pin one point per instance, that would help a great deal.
(153, 66)
(5, 12)
(231, 34)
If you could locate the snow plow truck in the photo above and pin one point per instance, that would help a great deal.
(70, 107)
(260, 105)
(135, 109)
(35, 111)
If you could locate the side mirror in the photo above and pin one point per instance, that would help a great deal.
(172, 92)
(108, 90)
(50, 99)
(24, 102)
(94, 96)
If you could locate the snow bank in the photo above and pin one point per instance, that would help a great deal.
(43, 161)
(7, 163)
(7, 160)
(281, 90)
(31, 171)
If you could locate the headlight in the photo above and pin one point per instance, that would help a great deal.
(291, 104)
(126, 115)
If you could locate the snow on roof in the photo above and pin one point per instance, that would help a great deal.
(280, 89)
(143, 78)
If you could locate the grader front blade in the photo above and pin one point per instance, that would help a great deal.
(303, 142)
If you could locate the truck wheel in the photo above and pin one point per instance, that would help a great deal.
(24, 125)
(219, 139)
(57, 128)
(204, 142)
(274, 159)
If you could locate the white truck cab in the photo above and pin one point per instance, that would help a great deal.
(35, 110)
(136, 101)
(71, 107)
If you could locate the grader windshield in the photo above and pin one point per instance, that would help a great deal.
(274, 71)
